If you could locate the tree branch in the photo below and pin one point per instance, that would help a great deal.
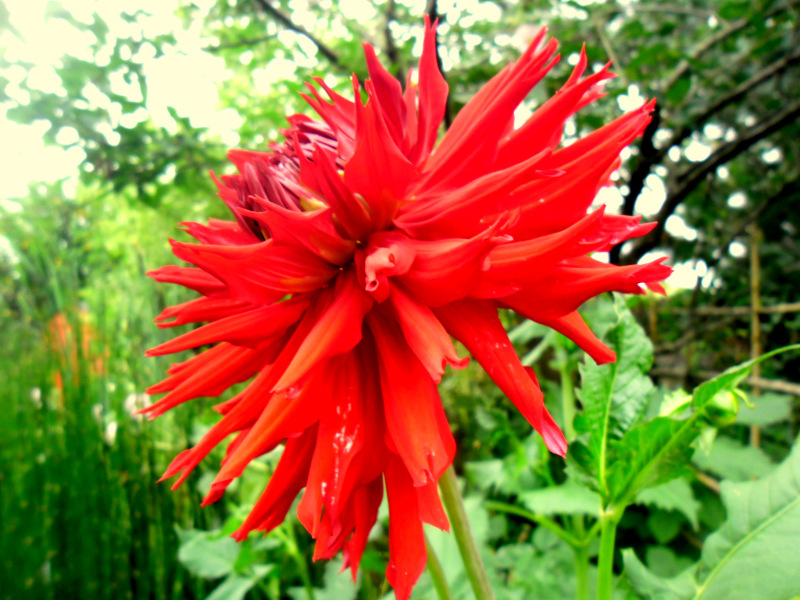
(284, 20)
(686, 181)
(391, 48)
(649, 155)
(727, 99)
(732, 28)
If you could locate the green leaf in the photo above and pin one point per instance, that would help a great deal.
(767, 409)
(731, 378)
(567, 499)
(613, 395)
(650, 455)
(658, 451)
(234, 587)
(205, 556)
(755, 554)
(651, 586)
(674, 495)
(734, 461)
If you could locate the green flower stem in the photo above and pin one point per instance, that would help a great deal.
(581, 560)
(605, 564)
(437, 574)
(581, 573)
(290, 540)
(473, 564)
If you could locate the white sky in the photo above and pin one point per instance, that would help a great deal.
(187, 78)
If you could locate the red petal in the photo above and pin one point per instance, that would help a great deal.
(287, 480)
(469, 147)
(208, 374)
(340, 437)
(415, 418)
(431, 510)
(312, 230)
(260, 273)
(575, 328)
(425, 335)
(377, 170)
(194, 279)
(544, 128)
(199, 310)
(446, 270)
(365, 502)
(337, 329)
(476, 325)
(248, 328)
(407, 554)
(388, 93)
(432, 97)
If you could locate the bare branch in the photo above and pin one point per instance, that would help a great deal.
(284, 20)
(688, 180)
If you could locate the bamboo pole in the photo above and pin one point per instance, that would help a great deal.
(755, 317)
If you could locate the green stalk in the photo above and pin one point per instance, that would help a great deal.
(605, 564)
(437, 573)
(581, 554)
(473, 564)
(290, 539)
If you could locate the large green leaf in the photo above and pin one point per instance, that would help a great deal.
(652, 587)
(767, 409)
(613, 395)
(206, 554)
(674, 495)
(567, 499)
(733, 461)
(756, 553)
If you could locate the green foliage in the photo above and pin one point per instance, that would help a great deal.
(81, 516)
(674, 495)
(753, 555)
(613, 397)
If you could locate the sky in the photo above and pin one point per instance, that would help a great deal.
(188, 80)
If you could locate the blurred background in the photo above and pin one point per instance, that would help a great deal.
(112, 113)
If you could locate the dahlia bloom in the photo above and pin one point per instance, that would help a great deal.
(359, 248)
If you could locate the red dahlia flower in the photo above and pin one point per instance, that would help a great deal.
(359, 247)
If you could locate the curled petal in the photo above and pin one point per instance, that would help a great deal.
(447, 270)
(425, 335)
